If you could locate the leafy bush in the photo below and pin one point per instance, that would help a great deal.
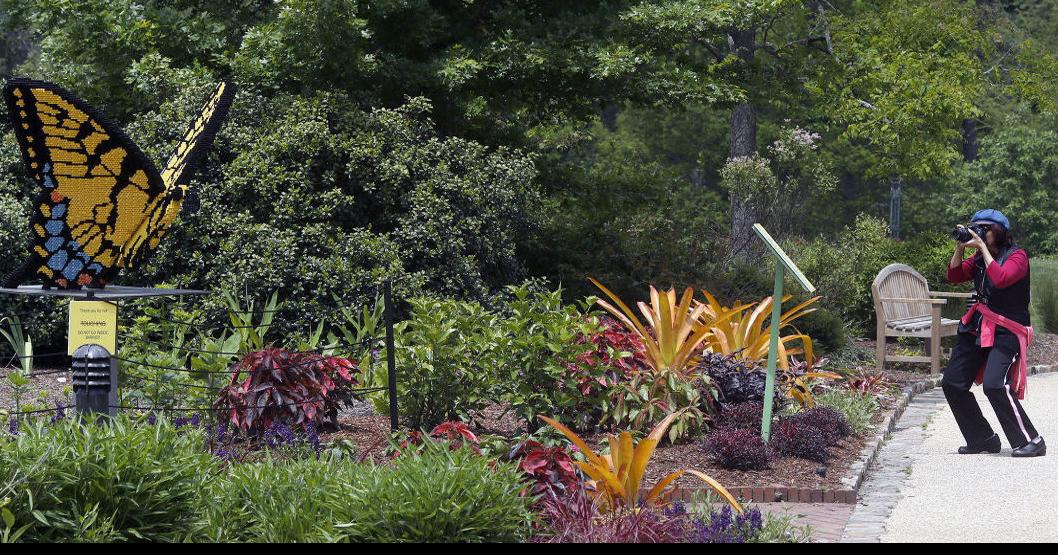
(301, 500)
(440, 495)
(737, 448)
(742, 416)
(615, 356)
(844, 269)
(542, 357)
(649, 397)
(830, 422)
(118, 481)
(826, 329)
(857, 408)
(1045, 295)
(300, 388)
(445, 359)
(800, 439)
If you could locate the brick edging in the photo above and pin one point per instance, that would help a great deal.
(857, 472)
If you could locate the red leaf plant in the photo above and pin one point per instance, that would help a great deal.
(282, 385)
(457, 433)
(614, 356)
(551, 468)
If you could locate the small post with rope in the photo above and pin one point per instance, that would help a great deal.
(391, 362)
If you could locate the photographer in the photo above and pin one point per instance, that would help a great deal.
(993, 338)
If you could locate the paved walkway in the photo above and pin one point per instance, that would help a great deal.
(920, 490)
(826, 519)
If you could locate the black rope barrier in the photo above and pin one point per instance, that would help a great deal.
(42, 355)
(318, 350)
(56, 409)
(299, 366)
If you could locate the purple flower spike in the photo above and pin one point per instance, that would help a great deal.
(12, 426)
(196, 419)
(152, 419)
(313, 437)
(60, 412)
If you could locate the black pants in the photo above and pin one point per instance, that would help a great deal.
(966, 359)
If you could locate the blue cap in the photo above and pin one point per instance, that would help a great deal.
(991, 215)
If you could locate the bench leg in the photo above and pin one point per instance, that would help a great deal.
(879, 353)
(934, 342)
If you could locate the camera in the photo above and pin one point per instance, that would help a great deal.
(962, 234)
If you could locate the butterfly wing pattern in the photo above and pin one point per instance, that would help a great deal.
(103, 205)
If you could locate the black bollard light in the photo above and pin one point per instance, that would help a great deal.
(95, 378)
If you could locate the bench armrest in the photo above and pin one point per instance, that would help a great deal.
(905, 300)
(953, 295)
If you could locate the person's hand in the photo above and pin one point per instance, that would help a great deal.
(975, 242)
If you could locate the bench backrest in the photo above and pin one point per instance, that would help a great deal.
(900, 281)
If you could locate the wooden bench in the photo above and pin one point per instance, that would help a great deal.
(905, 307)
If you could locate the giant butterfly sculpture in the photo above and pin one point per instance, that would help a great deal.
(103, 205)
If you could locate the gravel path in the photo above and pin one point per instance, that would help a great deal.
(946, 497)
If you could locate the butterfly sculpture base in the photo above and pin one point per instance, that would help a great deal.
(112, 292)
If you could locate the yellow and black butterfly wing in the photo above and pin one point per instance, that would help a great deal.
(97, 187)
(177, 174)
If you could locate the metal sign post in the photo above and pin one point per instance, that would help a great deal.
(92, 338)
(783, 264)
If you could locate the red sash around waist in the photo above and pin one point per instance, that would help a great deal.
(989, 321)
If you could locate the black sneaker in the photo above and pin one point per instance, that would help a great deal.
(1031, 449)
(990, 445)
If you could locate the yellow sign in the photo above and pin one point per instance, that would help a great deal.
(93, 322)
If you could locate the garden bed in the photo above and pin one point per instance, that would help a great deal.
(370, 434)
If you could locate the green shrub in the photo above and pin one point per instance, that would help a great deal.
(1045, 295)
(454, 357)
(445, 361)
(122, 480)
(280, 502)
(826, 329)
(440, 495)
(857, 408)
(539, 346)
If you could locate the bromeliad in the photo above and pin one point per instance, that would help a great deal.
(616, 478)
(674, 331)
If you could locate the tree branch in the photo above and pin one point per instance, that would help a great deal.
(712, 50)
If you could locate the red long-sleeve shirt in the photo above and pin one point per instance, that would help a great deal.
(1002, 275)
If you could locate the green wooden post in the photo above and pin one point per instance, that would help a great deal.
(773, 353)
(782, 265)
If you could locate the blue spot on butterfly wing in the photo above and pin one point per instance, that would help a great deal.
(54, 227)
(58, 260)
(95, 268)
(49, 183)
(73, 269)
(58, 211)
(53, 244)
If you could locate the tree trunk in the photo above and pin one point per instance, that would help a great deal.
(895, 186)
(743, 143)
(608, 116)
(969, 139)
